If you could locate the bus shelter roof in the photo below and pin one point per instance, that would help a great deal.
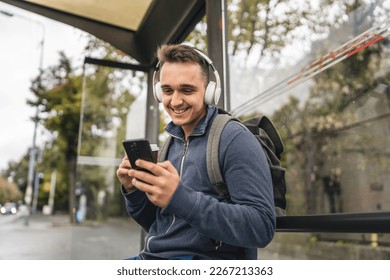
(136, 27)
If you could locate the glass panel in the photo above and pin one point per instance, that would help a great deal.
(113, 108)
(320, 70)
(108, 118)
(328, 93)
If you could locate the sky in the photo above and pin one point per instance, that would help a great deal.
(20, 53)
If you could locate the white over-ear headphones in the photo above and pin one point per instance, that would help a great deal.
(213, 89)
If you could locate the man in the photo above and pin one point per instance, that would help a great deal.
(176, 204)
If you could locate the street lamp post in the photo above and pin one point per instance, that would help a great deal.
(28, 197)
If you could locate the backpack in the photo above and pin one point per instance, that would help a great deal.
(266, 133)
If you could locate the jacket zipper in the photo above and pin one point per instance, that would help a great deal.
(181, 172)
(185, 148)
(181, 169)
(218, 243)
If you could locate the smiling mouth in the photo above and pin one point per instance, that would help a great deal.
(179, 111)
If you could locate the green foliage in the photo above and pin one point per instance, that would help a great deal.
(9, 191)
(58, 91)
(18, 172)
(58, 95)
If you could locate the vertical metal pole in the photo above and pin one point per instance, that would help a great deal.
(34, 149)
(152, 124)
(225, 58)
(31, 167)
(83, 93)
(52, 190)
(152, 112)
(38, 176)
(217, 46)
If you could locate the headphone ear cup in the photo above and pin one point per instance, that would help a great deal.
(158, 92)
(209, 96)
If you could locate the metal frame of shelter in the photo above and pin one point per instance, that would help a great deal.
(179, 18)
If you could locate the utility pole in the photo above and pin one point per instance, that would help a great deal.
(33, 151)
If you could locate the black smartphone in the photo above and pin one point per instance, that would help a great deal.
(138, 149)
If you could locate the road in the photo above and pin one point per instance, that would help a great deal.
(54, 238)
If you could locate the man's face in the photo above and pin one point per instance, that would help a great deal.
(183, 88)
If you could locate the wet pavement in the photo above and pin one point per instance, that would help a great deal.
(54, 238)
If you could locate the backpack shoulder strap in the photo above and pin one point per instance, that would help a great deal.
(163, 151)
(267, 125)
(269, 134)
(212, 153)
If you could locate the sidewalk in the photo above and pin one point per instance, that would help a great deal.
(54, 238)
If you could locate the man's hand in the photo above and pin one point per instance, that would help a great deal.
(123, 174)
(159, 186)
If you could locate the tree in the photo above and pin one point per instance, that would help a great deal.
(17, 171)
(58, 91)
(58, 96)
(265, 27)
(9, 191)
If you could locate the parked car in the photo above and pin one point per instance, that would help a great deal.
(9, 208)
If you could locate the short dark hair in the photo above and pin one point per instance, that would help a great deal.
(182, 54)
